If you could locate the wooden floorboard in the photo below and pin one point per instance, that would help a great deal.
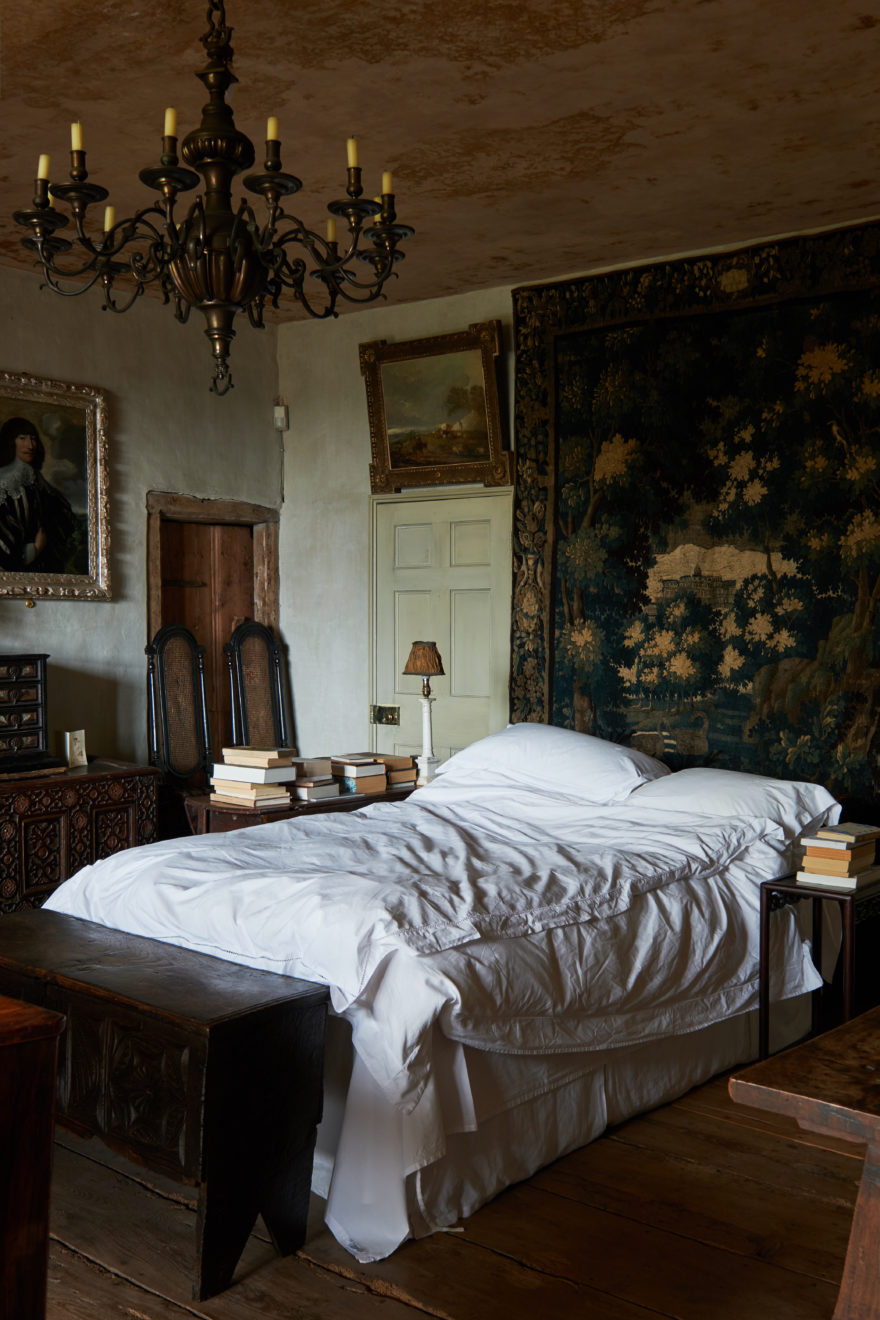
(701, 1210)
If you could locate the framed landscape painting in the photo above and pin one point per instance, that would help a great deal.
(434, 412)
(54, 532)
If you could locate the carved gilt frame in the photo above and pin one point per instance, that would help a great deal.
(434, 411)
(71, 421)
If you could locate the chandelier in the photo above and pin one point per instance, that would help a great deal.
(217, 259)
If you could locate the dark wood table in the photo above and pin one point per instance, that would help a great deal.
(200, 1069)
(831, 1085)
(855, 905)
(207, 817)
(28, 1050)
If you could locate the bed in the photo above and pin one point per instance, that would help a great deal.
(554, 934)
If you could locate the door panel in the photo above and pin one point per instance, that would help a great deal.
(472, 665)
(441, 572)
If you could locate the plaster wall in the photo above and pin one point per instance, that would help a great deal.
(325, 524)
(166, 432)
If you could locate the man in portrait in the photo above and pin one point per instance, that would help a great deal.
(39, 531)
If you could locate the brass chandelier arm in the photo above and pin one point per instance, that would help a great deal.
(291, 275)
(52, 278)
(104, 266)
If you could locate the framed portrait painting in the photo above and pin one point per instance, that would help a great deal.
(54, 532)
(434, 411)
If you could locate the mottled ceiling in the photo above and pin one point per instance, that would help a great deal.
(528, 140)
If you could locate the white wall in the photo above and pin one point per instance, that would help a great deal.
(166, 432)
(325, 524)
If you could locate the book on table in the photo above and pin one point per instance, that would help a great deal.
(850, 832)
(363, 783)
(357, 768)
(841, 863)
(259, 756)
(400, 778)
(254, 774)
(831, 845)
(312, 767)
(316, 790)
(838, 852)
(252, 792)
(263, 804)
(844, 883)
(390, 760)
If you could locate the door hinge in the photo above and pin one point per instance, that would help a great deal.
(384, 714)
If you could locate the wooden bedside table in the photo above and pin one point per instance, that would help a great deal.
(207, 817)
(855, 905)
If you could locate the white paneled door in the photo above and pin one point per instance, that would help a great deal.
(441, 573)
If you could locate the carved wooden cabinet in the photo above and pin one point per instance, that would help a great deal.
(23, 732)
(53, 825)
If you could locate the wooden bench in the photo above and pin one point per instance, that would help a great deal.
(831, 1085)
(195, 1067)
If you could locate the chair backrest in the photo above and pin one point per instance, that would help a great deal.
(180, 736)
(257, 678)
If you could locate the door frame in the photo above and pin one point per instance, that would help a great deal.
(413, 496)
(169, 507)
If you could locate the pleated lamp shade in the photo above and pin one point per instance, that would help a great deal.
(424, 660)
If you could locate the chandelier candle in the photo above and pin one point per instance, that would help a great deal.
(218, 258)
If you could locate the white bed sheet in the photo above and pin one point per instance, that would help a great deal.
(489, 915)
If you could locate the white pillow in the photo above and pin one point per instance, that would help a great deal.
(543, 756)
(794, 804)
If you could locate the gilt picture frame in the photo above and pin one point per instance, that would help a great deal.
(434, 410)
(54, 513)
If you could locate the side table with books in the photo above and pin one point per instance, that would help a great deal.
(252, 786)
(838, 866)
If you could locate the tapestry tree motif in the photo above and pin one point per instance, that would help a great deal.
(697, 556)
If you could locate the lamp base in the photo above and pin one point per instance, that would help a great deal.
(427, 769)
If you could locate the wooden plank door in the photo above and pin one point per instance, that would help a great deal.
(207, 585)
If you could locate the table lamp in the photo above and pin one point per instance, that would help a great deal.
(424, 660)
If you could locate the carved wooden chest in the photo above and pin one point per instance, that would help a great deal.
(199, 1069)
(52, 825)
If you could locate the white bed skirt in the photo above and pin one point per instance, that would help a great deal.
(383, 1181)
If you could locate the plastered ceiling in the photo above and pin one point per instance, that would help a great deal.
(528, 140)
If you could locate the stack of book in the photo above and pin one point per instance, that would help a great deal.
(314, 780)
(840, 857)
(361, 774)
(253, 777)
(400, 771)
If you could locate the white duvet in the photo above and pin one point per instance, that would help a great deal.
(510, 918)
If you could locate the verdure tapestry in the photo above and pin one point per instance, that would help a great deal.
(697, 529)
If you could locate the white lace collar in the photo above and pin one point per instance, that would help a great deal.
(14, 477)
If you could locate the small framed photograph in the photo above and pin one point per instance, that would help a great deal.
(54, 526)
(434, 411)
